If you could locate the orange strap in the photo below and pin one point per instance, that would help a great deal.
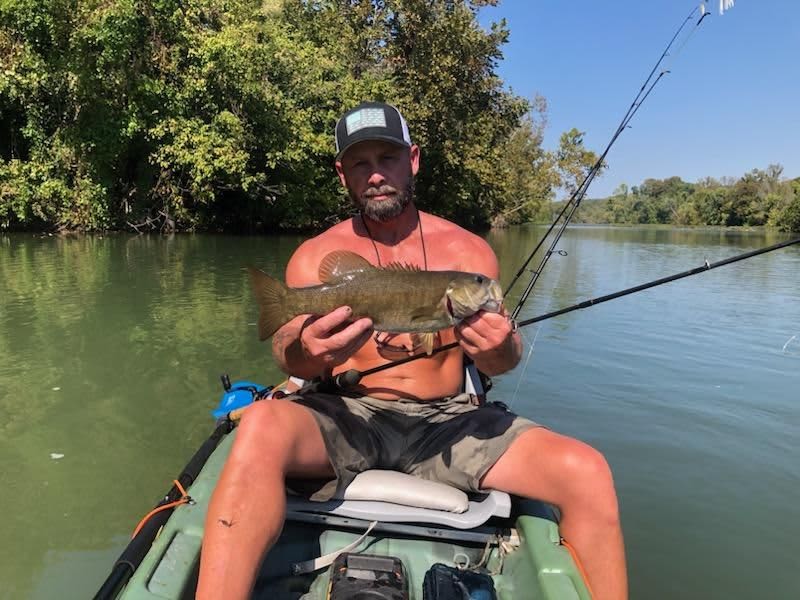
(578, 564)
(184, 499)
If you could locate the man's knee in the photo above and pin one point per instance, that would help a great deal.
(284, 435)
(592, 479)
(271, 426)
(586, 462)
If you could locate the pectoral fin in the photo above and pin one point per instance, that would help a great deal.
(340, 262)
(424, 340)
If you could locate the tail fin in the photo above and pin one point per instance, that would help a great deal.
(271, 296)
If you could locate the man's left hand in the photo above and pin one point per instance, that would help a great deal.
(487, 338)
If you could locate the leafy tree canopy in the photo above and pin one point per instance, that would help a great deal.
(218, 114)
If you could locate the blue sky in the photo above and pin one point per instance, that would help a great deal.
(730, 104)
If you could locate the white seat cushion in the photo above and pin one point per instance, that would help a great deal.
(392, 497)
(400, 488)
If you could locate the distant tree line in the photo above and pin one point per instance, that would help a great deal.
(758, 198)
(218, 114)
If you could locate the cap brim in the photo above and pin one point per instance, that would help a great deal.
(372, 138)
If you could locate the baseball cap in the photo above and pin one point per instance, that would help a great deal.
(371, 121)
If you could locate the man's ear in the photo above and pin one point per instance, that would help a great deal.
(340, 173)
(413, 154)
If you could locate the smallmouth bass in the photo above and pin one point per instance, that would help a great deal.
(398, 298)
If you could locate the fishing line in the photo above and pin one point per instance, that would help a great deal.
(577, 196)
(689, 36)
(524, 370)
(786, 345)
(532, 344)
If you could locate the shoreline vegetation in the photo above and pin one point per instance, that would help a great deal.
(216, 115)
(760, 198)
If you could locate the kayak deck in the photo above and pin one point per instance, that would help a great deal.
(522, 553)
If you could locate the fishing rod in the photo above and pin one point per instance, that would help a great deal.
(577, 196)
(353, 377)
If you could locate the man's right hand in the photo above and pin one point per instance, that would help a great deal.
(328, 342)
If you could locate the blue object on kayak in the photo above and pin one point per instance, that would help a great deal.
(240, 394)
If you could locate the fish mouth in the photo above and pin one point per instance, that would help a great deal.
(492, 306)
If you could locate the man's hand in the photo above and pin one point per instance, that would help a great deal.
(487, 338)
(328, 342)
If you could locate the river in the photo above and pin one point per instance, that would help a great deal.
(111, 349)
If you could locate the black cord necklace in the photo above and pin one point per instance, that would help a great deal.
(374, 245)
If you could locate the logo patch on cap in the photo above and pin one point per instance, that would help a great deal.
(366, 117)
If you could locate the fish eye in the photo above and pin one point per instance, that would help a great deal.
(479, 279)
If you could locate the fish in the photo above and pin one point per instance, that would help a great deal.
(399, 298)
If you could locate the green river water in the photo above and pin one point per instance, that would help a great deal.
(111, 349)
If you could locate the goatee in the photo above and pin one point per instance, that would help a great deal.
(386, 209)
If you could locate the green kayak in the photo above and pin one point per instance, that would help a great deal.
(394, 537)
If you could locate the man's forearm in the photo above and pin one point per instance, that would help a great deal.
(504, 359)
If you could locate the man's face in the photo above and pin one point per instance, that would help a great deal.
(379, 176)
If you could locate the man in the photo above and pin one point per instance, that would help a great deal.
(314, 438)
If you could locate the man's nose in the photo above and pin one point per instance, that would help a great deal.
(376, 179)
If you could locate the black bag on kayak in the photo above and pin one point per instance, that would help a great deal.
(448, 583)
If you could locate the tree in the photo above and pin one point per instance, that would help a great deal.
(573, 160)
(201, 114)
(786, 214)
(531, 176)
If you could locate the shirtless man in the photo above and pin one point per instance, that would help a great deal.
(312, 438)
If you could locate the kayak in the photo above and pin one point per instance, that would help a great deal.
(392, 536)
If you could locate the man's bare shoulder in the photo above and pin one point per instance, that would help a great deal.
(473, 251)
(439, 225)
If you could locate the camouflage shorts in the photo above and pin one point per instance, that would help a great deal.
(453, 440)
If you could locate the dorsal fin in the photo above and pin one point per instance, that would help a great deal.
(398, 266)
(339, 262)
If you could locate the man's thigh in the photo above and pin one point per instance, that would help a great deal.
(463, 441)
(545, 465)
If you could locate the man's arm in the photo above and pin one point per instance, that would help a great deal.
(307, 346)
(488, 340)
(486, 337)
(288, 351)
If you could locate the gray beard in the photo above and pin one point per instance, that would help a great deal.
(383, 210)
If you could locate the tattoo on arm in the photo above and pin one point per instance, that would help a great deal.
(280, 343)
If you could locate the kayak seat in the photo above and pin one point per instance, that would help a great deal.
(394, 497)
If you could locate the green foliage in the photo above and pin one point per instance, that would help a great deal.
(573, 160)
(532, 174)
(760, 197)
(217, 114)
(786, 213)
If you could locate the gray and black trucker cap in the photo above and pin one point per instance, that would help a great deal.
(371, 121)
